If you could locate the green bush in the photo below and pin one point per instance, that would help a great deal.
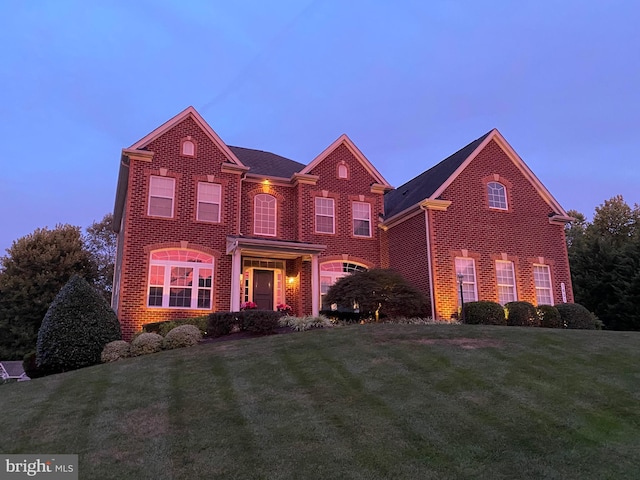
(574, 315)
(31, 366)
(483, 313)
(308, 322)
(162, 328)
(146, 343)
(223, 323)
(116, 350)
(521, 314)
(182, 336)
(260, 322)
(77, 326)
(549, 316)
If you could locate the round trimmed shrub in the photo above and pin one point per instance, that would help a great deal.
(574, 315)
(77, 326)
(115, 350)
(549, 316)
(521, 314)
(182, 336)
(483, 313)
(146, 343)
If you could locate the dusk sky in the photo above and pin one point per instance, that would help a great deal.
(409, 81)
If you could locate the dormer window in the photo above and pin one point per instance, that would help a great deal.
(188, 147)
(343, 171)
(497, 195)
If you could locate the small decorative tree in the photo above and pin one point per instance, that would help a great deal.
(77, 326)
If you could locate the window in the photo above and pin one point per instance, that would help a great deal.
(161, 192)
(264, 215)
(361, 219)
(208, 202)
(325, 214)
(466, 267)
(542, 280)
(180, 279)
(188, 148)
(506, 282)
(497, 195)
(343, 172)
(330, 272)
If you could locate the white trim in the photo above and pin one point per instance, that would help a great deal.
(514, 285)
(236, 280)
(199, 201)
(332, 216)
(493, 185)
(353, 219)
(429, 267)
(275, 216)
(535, 284)
(355, 151)
(151, 194)
(315, 286)
(475, 278)
(172, 122)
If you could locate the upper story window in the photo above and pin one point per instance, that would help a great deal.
(208, 202)
(325, 215)
(361, 219)
(161, 195)
(542, 280)
(264, 215)
(180, 279)
(497, 195)
(343, 171)
(506, 282)
(466, 267)
(188, 147)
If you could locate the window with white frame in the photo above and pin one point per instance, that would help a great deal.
(330, 272)
(180, 279)
(466, 267)
(264, 216)
(506, 282)
(208, 202)
(161, 194)
(361, 219)
(325, 215)
(542, 280)
(497, 195)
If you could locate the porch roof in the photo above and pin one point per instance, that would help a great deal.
(274, 248)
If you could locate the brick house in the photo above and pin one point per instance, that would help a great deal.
(203, 226)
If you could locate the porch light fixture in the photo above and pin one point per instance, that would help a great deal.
(290, 280)
(460, 280)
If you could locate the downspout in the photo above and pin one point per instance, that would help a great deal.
(429, 263)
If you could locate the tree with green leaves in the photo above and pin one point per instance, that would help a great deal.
(100, 241)
(32, 273)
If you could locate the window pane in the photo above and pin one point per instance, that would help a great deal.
(161, 186)
(324, 224)
(209, 192)
(542, 280)
(506, 282)
(204, 277)
(155, 296)
(361, 228)
(156, 276)
(265, 215)
(181, 276)
(466, 267)
(180, 297)
(497, 195)
(160, 206)
(209, 212)
(204, 298)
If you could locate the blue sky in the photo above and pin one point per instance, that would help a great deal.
(409, 81)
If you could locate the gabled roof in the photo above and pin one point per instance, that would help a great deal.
(423, 186)
(343, 139)
(169, 124)
(430, 184)
(266, 163)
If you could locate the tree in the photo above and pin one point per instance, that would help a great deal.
(101, 241)
(615, 219)
(32, 273)
(378, 290)
(77, 326)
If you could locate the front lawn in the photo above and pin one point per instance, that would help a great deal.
(360, 402)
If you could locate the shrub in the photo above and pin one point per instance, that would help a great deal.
(342, 316)
(115, 350)
(260, 322)
(549, 316)
(308, 322)
(521, 314)
(162, 328)
(574, 315)
(77, 326)
(146, 343)
(182, 336)
(484, 313)
(222, 323)
(31, 366)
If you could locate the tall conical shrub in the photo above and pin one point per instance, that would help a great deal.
(77, 326)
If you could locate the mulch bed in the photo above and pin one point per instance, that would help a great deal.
(243, 335)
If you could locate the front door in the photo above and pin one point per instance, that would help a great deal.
(263, 289)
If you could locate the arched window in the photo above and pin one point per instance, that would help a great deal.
(330, 272)
(264, 215)
(180, 279)
(343, 171)
(188, 148)
(497, 195)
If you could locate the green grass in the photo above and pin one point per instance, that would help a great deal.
(361, 402)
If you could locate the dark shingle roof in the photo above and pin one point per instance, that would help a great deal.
(425, 184)
(266, 163)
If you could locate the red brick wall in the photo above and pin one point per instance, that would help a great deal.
(523, 232)
(142, 231)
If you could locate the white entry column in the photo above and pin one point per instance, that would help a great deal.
(235, 280)
(315, 286)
